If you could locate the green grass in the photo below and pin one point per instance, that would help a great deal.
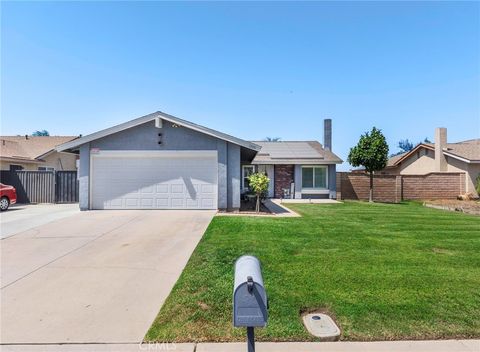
(383, 271)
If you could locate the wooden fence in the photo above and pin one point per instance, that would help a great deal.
(43, 186)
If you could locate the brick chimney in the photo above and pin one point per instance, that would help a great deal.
(327, 134)
(440, 144)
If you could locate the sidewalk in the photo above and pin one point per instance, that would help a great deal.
(380, 346)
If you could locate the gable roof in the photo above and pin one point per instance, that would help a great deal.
(394, 159)
(467, 151)
(294, 152)
(397, 159)
(158, 114)
(30, 148)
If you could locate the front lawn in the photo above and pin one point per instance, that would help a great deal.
(383, 271)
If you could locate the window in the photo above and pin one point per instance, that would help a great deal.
(14, 167)
(247, 170)
(46, 168)
(314, 177)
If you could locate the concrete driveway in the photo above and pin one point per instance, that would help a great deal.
(97, 276)
(22, 217)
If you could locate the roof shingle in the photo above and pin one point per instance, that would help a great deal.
(294, 152)
(30, 148)
(467, 149)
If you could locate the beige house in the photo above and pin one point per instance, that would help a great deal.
(440, 157)
(35, 153)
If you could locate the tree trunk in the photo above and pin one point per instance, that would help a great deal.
(370, 196)
(257, 207)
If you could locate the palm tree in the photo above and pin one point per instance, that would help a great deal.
(272, 139)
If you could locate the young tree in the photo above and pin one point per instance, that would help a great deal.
(258, 183)
(40, 133)
(371, 152)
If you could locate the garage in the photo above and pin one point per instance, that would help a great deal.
(154, 180)
(159, 161)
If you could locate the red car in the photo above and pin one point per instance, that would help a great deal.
(8, 195)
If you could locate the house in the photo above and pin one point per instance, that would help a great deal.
(159, 161)
(440, 156)
(35, 153)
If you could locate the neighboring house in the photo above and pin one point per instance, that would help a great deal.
(440, 157)
(35, 153)
(159, 161)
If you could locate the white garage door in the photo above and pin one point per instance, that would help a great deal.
(154, 180)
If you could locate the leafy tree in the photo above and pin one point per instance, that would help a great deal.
(405, 145)
(40, 133)
(258, 183)
(371, 152)
(272, 139)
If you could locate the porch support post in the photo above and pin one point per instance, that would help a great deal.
(332, 181)
(297, 178)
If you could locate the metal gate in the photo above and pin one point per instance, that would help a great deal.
(43, 186)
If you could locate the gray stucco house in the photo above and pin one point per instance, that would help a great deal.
(159, 161)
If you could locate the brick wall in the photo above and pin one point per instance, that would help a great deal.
(394, 188)
(283, 176)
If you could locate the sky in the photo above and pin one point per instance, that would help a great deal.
(249, 69)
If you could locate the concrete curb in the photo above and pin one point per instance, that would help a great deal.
(377, 346)
(380, 346)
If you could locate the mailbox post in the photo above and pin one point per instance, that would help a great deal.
(249, 297)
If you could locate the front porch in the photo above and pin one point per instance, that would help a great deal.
(295, 181)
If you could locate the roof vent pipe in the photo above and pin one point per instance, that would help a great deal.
(327, 134)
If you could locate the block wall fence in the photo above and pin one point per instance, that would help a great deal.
(395, 188)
